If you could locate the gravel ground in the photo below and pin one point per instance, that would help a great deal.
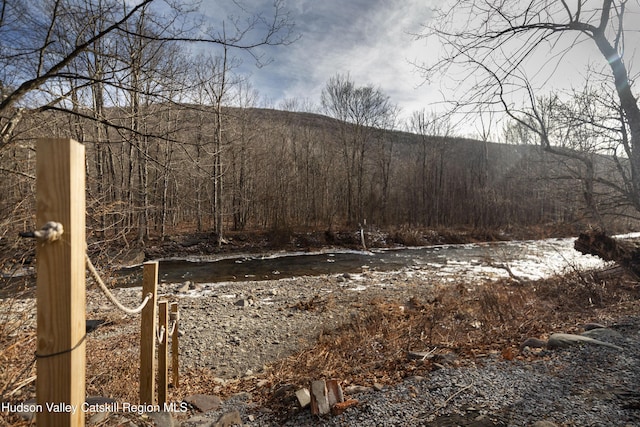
(234, 329)
(580, 386)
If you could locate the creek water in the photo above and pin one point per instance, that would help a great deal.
(527, 259)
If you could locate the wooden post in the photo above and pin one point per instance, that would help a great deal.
(148, 334)
(174, 345)
(163, 309)
(61, 356)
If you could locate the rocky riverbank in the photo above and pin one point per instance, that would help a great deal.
(232, 334)
(249, 346)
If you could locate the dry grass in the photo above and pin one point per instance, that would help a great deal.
(468, 322)
(17, 348)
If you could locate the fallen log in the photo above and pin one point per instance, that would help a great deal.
(624, 252)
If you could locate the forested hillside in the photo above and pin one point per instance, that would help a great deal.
(279, 170)
(178, 140)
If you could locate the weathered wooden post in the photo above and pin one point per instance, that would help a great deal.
(61, 356)
(148, 323)
(174, 316)
(163, 309)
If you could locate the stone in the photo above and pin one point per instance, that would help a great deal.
(533, 343)
(283, 391)
(93, 324)
(378, 386)
(199, 420)
(28, 415)
(229, 419)
(568, 340)
(340, 407)
(162, 419)
(319, 399)
(244, 302)
(355, 389)
(544, 424)
(203, 402)
(98, 418)
(185, 287)
(590, 326)
(334, 392)
(304, 397)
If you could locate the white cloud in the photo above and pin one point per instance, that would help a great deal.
(371, 40)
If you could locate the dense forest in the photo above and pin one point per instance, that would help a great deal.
(279, 170)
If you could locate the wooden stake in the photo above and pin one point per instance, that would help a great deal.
(174, 345)
(163, 309)
(148, 322)
(60, 197)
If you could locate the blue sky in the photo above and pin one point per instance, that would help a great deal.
(369, 39)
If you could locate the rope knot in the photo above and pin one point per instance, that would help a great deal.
(50, 232)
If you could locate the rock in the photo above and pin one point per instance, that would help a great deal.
(229, 419)
(244, 302)
(590, 326)
(319, 398)
(93, 324)
(283, 390)
(340, 407)
(200, 420)
(162, 419)
(134, 256)
(203, 402)
(185, 287)
(304, 397)
(334, 392)
(344, 277)
(355, 389)
(28, 414)
(567, 340)
(544, 424)
(98, 418)
(445, 359)
(103, 405)
(602, 334)
(378, 387)
(533, 343)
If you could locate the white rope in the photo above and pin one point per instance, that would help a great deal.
(110, 296)
(160, 334)
(172, 329)
(174, 317)
(50, 232)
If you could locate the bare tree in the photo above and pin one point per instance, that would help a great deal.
(433, 131)
(97, 61)
(213, 81)
(499, 46)
(361, 112)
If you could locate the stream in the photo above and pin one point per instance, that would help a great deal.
(530, 259)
